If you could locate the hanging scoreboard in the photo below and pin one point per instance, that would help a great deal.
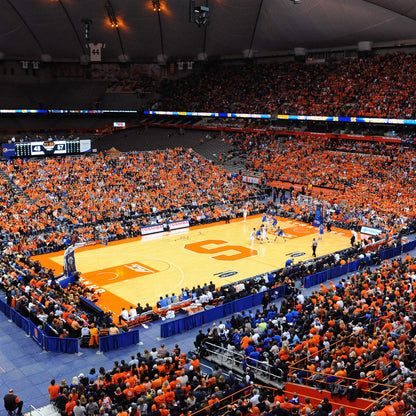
(46, 148)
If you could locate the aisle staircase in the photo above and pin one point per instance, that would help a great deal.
(212, 147)
(17, 190)
(231, 359)
(49, 410)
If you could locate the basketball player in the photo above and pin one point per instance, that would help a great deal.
(280, 233)
(244, 214)
(253, 235)
(259, 235)
(321, 231)
(264, 233)
(274, 223)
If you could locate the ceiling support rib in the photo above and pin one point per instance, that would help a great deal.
(204, 44)
(162, 44)
(389, 9)
(81, 44)
(10, 3)
(255, 29)
(120, 41)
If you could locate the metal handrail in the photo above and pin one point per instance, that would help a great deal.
(262, 367)
(33, 409)
(207, 366)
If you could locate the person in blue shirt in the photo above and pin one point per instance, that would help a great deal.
(289, 317)
(237, 338)
(295, 399)
(274, 223)
(288, 262)
(292, 316)
(254, 355)
(266, 342)
(270, 315)
(277, 339)
(321, 231)
(249, 349)
(163, 302)
(184, 294)
(332, 378)
(295, 338)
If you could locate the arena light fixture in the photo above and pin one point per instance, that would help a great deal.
(156, 5)
(111, 15)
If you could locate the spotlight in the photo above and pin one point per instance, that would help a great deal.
(156, 5)
(111, 15)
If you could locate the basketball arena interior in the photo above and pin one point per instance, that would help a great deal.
(208, 207)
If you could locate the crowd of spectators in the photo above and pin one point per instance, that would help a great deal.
(34, 292)
(162, 382)
(369, 184)
(361, 329)
(68, 201)
(75, 200)
(361, 183)
(157, 382)
(376, 86)
(141, 86)
(71, 199)
(358, 333)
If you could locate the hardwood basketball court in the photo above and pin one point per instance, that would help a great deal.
(143, 269)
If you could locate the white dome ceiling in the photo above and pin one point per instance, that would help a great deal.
(31, 29)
